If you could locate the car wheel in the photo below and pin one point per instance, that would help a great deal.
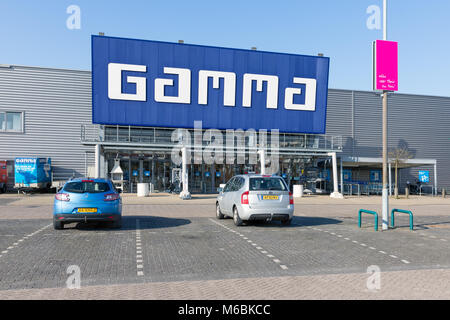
(58, 225)
(286, 222)
(219, 214)
(237, 220)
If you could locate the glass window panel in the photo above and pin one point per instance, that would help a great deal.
(2, 121)
(14, 121)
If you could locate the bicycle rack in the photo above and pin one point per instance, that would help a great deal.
(402, 211)
(369, 212)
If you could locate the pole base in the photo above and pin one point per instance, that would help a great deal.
(336, 195)
(185, 195)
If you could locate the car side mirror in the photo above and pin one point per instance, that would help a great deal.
(119, 190)
(219, 190)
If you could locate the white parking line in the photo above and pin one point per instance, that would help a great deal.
(362, 244)
(284, 267)
(139, 259)
(405, 261)
(15, 244)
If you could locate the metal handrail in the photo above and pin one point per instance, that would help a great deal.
(149, 135)
(411, 225)
(370, 212)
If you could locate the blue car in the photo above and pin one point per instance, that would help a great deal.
(85, 200)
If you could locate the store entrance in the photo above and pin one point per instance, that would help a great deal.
(152, 169)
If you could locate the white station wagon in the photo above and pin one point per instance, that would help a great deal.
(255, 197)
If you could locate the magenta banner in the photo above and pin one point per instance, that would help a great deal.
(385, 65)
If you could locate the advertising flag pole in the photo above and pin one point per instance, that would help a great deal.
(385, 198)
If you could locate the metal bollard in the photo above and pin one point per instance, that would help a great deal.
(407, 193)
(443, 193)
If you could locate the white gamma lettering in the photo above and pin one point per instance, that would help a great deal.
(115, 82)
(184, 86)
(229, 87)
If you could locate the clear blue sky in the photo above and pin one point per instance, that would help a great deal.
(35, 33)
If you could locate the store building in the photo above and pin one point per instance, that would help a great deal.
(47, 112)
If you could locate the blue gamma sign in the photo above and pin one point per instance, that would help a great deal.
(150, 83)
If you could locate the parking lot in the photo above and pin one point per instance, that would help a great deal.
(174, 249)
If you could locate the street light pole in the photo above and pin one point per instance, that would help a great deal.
(385, 198)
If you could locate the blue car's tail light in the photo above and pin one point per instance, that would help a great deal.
(111, 197)
(62, 197)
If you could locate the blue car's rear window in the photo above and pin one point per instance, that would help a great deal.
(82, 187)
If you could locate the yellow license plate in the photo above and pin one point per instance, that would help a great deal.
(85, 210)
(270, 197)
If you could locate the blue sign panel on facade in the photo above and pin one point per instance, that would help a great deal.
(151, 83)
(347, 175)
(375, 176)
(424, 176)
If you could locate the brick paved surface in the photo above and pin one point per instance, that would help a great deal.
(415, 284)
(181, 251)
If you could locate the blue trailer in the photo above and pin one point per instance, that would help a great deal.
(32, 173)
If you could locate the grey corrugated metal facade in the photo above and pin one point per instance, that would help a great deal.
(419, 123)
(57, 102)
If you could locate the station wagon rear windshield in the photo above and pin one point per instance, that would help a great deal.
(267, 183)
(83, 186)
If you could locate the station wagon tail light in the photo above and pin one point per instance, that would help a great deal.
(62, 197)
(291, 198)
(87, 180)
(111, 196)
(244, 198)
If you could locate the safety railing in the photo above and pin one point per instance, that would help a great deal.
(93, 133)
(369, 212)
(411, 225)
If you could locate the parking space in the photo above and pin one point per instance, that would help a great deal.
(174, 243)
(326, 246)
